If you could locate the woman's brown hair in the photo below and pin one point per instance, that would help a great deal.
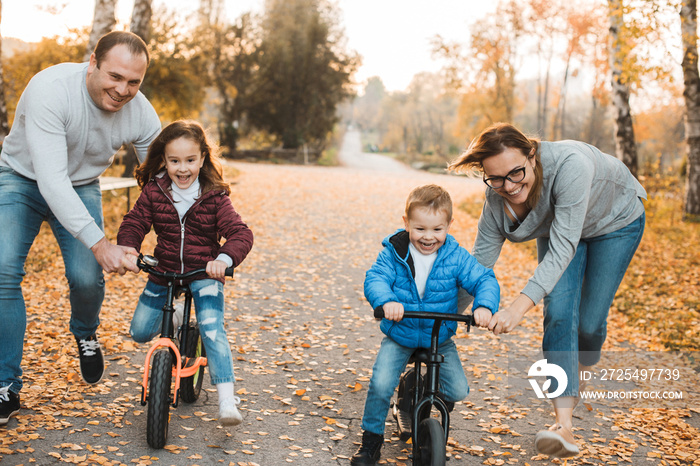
(493, 141)
(211, 173)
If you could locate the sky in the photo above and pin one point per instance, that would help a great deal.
(392, 36)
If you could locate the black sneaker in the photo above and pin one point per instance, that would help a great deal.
(9, 404)
(92, 363)
(369, 452)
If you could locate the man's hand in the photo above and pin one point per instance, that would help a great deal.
(216, 269)
(393, 311)
(112, 257)
(482, 316)
(128, 260)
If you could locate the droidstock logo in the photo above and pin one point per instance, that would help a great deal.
(544, 369)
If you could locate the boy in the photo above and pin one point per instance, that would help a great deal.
(420, 268)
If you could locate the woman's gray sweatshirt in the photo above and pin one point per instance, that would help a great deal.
(585, 194)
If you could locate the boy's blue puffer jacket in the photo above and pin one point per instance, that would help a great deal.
(391, 278)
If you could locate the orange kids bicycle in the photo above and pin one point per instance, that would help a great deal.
(180, 357)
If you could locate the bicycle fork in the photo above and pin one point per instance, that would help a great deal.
(424, 402)
(166, 341)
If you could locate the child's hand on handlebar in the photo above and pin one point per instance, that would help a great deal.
(482, 316)
(393, 311)
(216, 269)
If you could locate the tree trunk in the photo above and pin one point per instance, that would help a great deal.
(103, 22)
(141, 19)
(4, 125)
(625, 145)
(691, 92)
(141, 26)
(559, 126)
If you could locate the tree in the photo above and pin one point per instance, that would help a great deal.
(4, 125)
(582, 25)
(485, 73)
(141, 19)
(545, 24)
(231, 61)
(304, 73)
(691, 79)
(625, 144)
(141, 26)
(366, 111)
(22, 66)
(176, 79)
(103, 21)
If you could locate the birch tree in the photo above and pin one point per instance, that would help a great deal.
(691, 79)
(103, 21)
(625, 143)
(141, 26)
(141, 19)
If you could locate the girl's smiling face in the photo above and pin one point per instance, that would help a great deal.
(183, 160)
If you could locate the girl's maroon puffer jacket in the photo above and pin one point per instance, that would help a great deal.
(191, 243)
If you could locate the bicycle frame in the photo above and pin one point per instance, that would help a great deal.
(168, 332)
(422, 403)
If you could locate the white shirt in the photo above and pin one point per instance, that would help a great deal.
(185, 198)
(423, 265)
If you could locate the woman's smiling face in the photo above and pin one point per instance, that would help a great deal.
(502, 165)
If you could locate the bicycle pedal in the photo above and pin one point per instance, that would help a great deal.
(403, 419)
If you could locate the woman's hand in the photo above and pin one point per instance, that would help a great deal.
(506, 320)
(393, 311)
(216, 269)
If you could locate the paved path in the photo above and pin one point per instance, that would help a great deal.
(304, 344)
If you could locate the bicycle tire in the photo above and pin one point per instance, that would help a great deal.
(190, 387)
(159, 398)
(431, 443)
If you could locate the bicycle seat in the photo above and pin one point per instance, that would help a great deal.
(421, 355)
(179, 290)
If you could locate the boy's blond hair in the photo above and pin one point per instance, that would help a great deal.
(432, 196)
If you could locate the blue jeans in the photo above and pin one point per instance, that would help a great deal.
(576, 311)
(208, 297)
(388, 367)
(22, 211)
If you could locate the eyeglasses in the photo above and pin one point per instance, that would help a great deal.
(514, 176)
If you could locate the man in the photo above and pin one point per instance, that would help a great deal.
(70, 121)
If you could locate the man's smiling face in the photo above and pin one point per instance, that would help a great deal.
(117, 78)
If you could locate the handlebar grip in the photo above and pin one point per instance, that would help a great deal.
(379, 312)
(229, 272)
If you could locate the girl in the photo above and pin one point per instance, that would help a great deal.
(185, 199)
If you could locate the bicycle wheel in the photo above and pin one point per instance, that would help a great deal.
(159, 398)
(431, 443)
(191, 386)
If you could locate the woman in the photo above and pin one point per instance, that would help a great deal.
(584, 209)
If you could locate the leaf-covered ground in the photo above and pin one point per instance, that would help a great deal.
(304, 343)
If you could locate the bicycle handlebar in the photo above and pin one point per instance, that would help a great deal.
(149, 263)
(467, 318)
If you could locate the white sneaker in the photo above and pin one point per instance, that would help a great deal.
(228, 413)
